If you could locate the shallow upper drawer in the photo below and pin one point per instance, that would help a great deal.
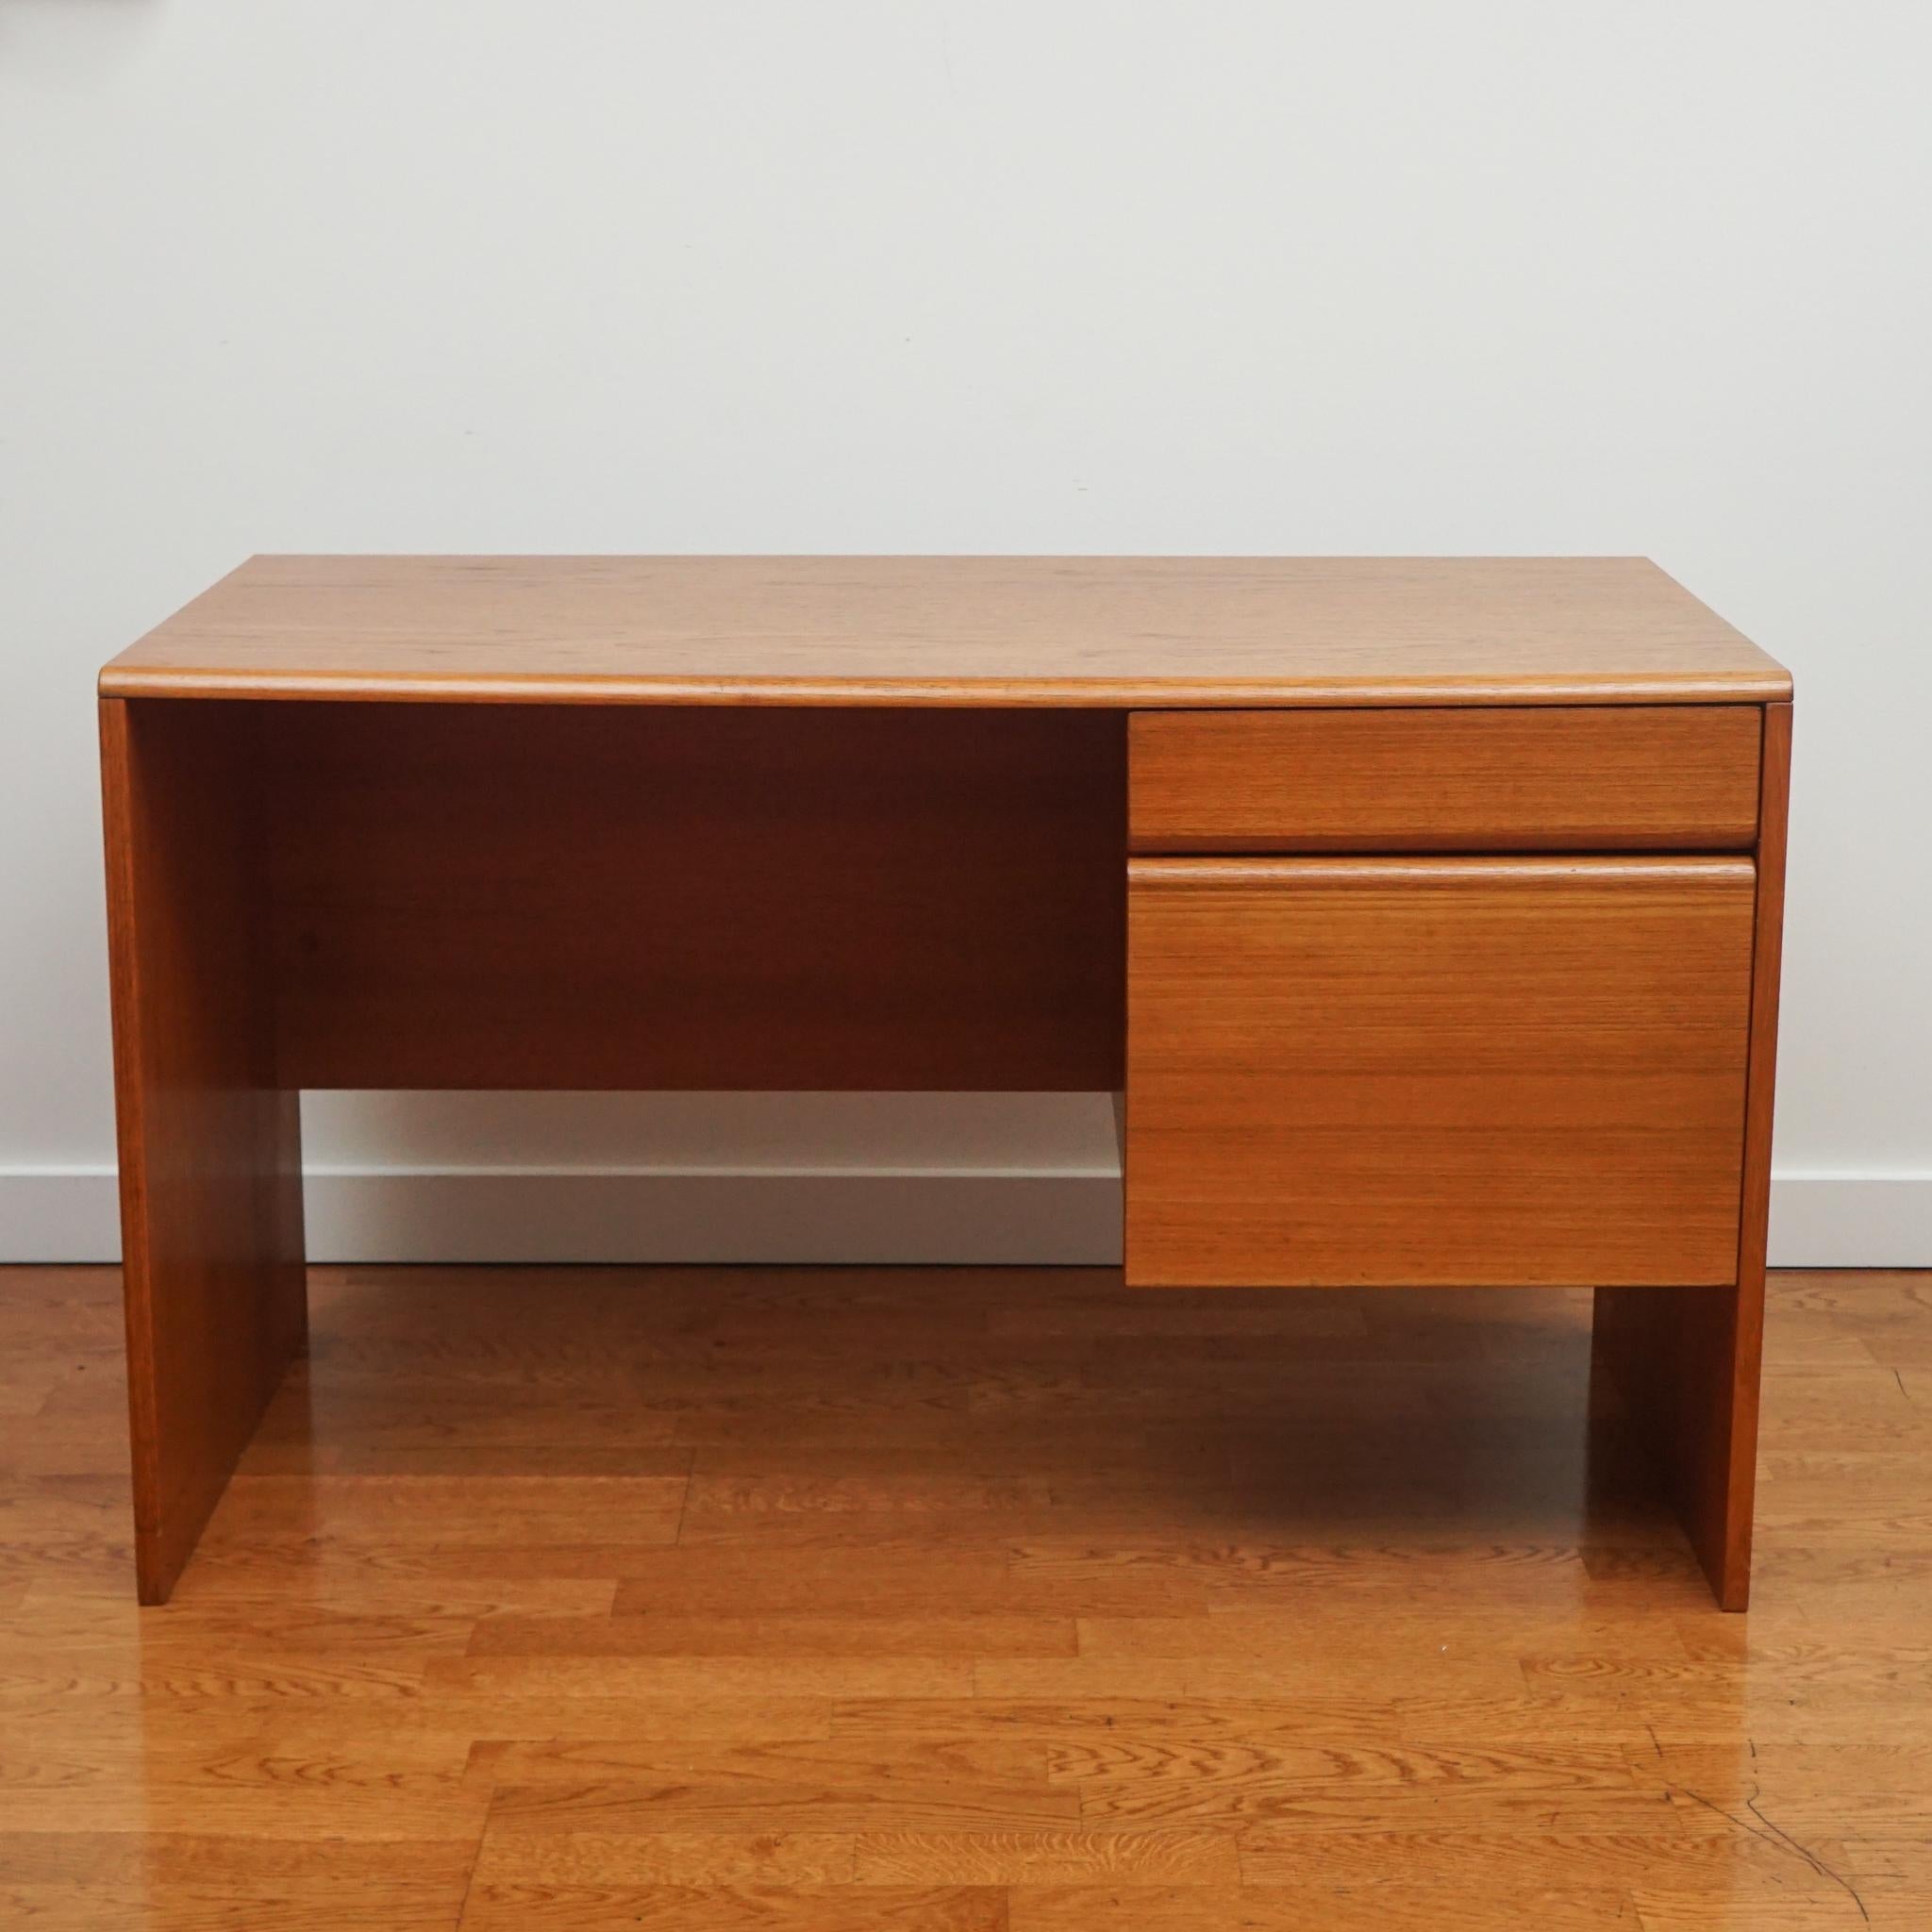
(1532, 778)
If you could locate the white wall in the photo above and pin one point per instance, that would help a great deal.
(624, 275)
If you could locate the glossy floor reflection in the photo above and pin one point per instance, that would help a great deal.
(948, 1598)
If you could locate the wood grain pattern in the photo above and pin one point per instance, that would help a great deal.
(1684, 1370)
(951, 630)
(1436, 1071)
(1359, 1643)
(1579, 778)
(209, 1150)
(550, 896)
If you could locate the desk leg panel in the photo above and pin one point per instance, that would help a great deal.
(209, 1142)
(1673, 1399)
(1679, 1368)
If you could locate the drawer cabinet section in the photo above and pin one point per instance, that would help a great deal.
(1575, 779)
(1435, 1070)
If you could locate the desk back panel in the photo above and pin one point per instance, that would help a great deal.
(528, 896)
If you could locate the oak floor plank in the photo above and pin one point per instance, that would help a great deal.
(1022, 1857)
(657, 1635)
(845, 1764)
(1298, 1908)
(1711, 1856)
(721, 1801)
(1812, 1912)
(905, 1580)
(736, 1908)
(685, 1678)
(228, 1905)
(559, 1861)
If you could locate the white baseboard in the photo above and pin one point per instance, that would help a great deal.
(757, 1215)
(59, 1214)
(763, 1214)
(1851, 1221)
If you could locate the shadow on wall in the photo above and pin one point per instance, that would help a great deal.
(64, 40)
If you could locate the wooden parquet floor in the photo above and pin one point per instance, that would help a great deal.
(832, 1600)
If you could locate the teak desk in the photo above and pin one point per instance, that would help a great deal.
(1425, 912)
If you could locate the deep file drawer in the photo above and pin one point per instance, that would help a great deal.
(1566, 777)
(1435, 1070)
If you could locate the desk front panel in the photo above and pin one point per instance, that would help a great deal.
(1436, 1071)
(1474, 778)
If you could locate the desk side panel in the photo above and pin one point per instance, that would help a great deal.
(1719, 1500)
(210, 1159)
(534, 896)
(1676, 1373)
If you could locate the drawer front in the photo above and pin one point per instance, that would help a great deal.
(1436, 1071)
(1568, 779)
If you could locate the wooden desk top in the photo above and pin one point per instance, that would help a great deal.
(950, 630)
